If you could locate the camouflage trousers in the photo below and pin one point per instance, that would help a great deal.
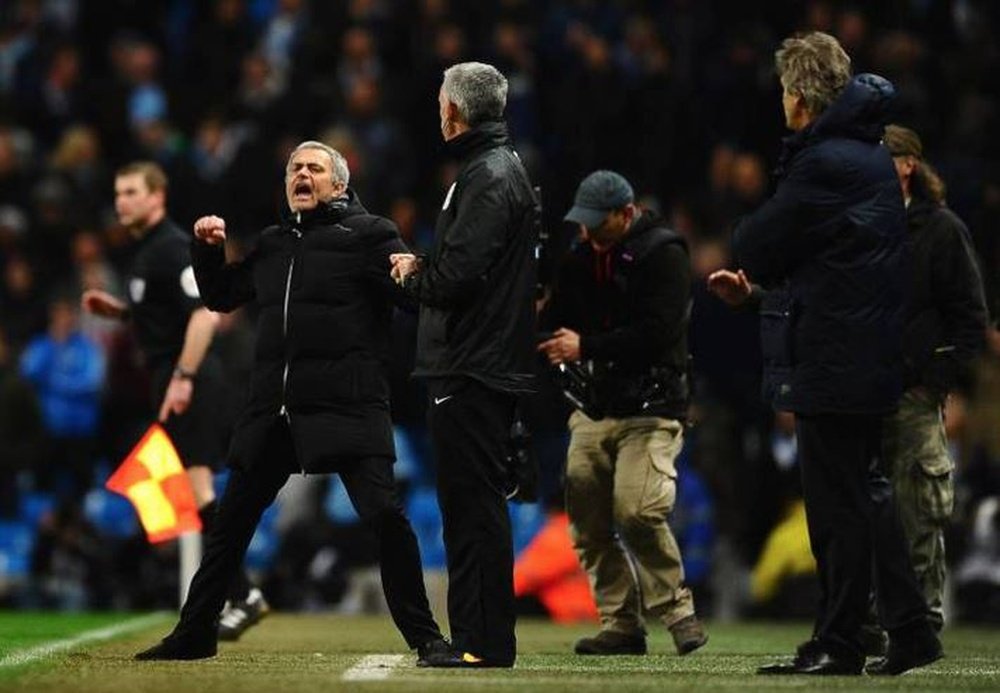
(917, 463)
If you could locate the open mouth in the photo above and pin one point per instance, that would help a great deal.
(302, 189)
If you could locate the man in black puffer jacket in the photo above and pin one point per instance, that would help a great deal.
(319, 394)
(829, 244)
(475, 347)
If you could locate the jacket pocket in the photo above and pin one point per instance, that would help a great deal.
(776, 321)
(776, 386)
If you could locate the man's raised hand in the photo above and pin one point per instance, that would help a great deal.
(210, 229)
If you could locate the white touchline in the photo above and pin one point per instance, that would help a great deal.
(19, 657)
(373, 668)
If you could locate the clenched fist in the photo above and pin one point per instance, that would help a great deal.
(210, 229)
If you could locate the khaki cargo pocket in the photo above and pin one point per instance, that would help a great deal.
(661, 483)
(662, 448)
(932, 455)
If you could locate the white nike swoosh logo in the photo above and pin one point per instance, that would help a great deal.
(439, 400)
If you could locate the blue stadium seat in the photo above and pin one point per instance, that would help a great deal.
(219, 482)
(111, 513)
(425, 516)
(17, 540)
(526, 519)
(265, 542)
(337, 504)
(34, 505)
(407, 460)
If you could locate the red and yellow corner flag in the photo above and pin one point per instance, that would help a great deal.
(154, 480)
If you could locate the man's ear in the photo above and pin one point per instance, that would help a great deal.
(631, 212)
(800, 104)
(453, 113)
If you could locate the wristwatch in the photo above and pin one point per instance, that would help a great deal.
(181, 374)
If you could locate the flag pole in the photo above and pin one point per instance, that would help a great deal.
(190, 559)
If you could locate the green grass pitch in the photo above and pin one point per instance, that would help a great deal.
(67, 653)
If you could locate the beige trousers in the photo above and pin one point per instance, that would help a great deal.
(620, 486)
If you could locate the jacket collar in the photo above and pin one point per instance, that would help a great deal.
(155, 230)
(644, 223)
(485, 136)
(918, 211)
(332, 212)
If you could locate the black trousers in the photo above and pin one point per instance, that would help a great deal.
(470, 427)
(372, 490)
(855, 533)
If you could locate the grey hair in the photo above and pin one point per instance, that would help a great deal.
(478, 90)
(337, 161)
(815, 67)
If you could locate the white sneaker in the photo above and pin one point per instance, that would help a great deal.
(238, 616)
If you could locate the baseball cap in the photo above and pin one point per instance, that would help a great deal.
(597, 195)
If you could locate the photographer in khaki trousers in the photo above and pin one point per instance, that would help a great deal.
(620, 308)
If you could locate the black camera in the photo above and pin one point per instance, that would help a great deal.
(577, 383)
(522, 468)
(579, 388)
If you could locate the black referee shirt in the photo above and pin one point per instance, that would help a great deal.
(162, 292)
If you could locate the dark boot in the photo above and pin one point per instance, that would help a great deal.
(609, 642)
(688, 634)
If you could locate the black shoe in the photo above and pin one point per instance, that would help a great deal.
(609, 642)
(874, 641)
(812, 659)
(471, 661)
(899, 660)
(179, 649)
(239, 616)
(688, 634)
(438, 653)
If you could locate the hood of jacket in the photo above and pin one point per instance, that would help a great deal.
(860, 112)
(644, 223)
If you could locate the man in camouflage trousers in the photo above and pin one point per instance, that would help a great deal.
(920, 470)
(945, 327)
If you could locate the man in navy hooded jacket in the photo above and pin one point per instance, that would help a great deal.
(828, 247)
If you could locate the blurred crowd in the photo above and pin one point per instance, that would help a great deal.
(680, 96)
